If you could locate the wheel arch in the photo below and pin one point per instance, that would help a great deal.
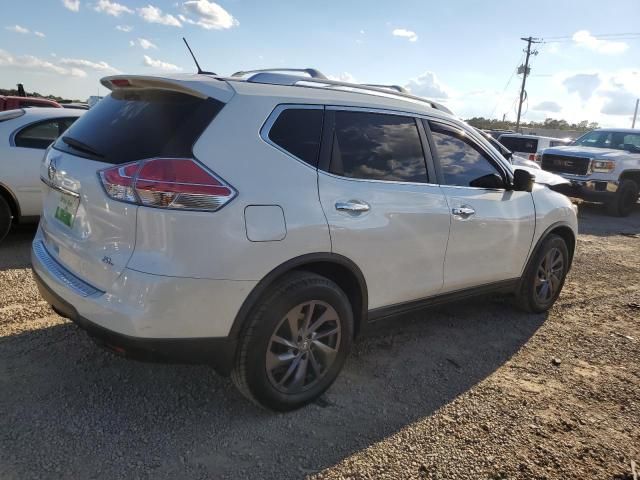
(631, 175)
(11, 199)
(564, 231)
(337, 268)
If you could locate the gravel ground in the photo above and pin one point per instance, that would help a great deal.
(473, 390)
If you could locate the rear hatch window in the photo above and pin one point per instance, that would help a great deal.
(518, 144)
(132, 125)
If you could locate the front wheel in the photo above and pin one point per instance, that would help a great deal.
(624, 200)
(544, 277)
(296, 342)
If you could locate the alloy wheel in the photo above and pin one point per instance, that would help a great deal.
(303, 347)
(549, 275)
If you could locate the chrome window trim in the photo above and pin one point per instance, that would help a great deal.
(273, 116)
(373, 180)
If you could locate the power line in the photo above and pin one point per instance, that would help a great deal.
(495, 107)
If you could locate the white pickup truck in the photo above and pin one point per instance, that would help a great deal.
(603, 166)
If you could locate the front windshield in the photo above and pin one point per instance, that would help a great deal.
(608, 139)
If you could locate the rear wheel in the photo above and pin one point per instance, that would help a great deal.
(296, 342)
(5, 218)
(544, 277)
(624, 200)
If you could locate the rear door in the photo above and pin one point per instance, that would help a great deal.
(85, 230)
(384, 211)
(491, 228)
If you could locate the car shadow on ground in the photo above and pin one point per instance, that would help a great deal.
(70, 404)
(594, 220)
(15, 249)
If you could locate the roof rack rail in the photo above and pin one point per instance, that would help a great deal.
(312, 72)
(265, 76)
(397, 88)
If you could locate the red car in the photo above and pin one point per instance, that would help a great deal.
(10, 103)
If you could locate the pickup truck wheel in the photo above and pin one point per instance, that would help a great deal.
(296, 342)
(544, 277)
(624, 200)
(5, 218)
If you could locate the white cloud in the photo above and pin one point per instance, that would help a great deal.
(548, 106)
(132, 43)
(144, 43)
(73, 5)
(124, 28)
(114, 9)
(153, 14)
(583, 38)
(618, 102)
(159, 64)
(39, 34)
(82, 63)
(427, 85)
(18, 29)
(31, 63)
(209, 15)
(408, 34)
(584, 84)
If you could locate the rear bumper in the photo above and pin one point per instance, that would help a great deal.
(590, 190)
(146, 316)
(217, 351)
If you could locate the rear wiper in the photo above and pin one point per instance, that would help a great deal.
(83, 147)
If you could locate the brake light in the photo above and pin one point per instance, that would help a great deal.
(175, 183)
(120, 82)
(532, 156)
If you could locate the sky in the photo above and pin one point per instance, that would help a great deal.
(461, 52)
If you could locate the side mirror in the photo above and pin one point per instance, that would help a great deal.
(522, 181)
(492, 180)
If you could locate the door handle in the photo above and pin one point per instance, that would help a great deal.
(463, 211)
(353, 206)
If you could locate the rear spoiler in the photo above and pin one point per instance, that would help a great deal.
(194, 85)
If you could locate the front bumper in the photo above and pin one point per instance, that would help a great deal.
(145, 316)
(590, 190)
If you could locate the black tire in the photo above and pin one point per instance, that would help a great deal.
(5, 218)
(622, 204)
(531, 295)
(269, 319)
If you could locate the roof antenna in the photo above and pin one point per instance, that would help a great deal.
(200, 71)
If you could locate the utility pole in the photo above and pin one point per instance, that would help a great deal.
(635, 114)
(525, 70)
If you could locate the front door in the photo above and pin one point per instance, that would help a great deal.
(491, 228)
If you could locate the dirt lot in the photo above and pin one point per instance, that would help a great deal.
(475, 390)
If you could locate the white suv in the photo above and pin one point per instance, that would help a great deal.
(260, 222)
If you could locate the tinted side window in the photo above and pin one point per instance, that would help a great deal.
(377, 146)
(133, 125)
(461, 161)
(40, 135)
(517, 144)
(298, 131)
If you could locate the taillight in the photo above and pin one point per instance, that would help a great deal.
(532, 156)
(176, 183)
